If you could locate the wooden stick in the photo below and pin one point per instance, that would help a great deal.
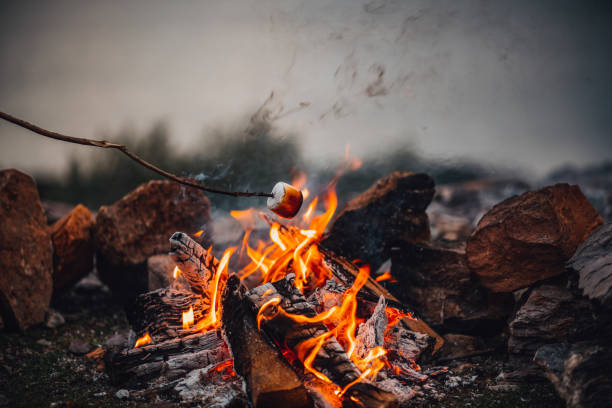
(105, 144)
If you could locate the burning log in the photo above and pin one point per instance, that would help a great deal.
(270, 381)
(166, 361)
(195, 263)
(327, 360)
(159, 313)
(346, 272)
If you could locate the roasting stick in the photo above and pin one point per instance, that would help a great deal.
(284, 200)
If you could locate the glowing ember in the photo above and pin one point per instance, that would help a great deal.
(188, 318)
(143, 341)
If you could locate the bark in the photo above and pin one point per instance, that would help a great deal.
(331, 360)
(270, 381)
(160, 312)
(196, 264)
(346, 272)
(165, 361)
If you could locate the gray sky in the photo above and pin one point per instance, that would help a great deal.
(519, 83)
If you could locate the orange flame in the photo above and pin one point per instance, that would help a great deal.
(385, 276)
(188, 318)
(143, 341)
(175, 272)
(198, 234)
(212, 319)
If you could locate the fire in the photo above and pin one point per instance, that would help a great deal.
(175, 272)
(143, 341)
(212, 319)
(293, 248)
(385, 276)
(188, 318)
(198, 234)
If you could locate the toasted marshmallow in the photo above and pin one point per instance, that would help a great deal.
(286, 201)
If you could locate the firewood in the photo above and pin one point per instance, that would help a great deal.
(195, 263)
(166, 361)
(346, 272)
(331, 359)
(270, 381)
(159, 312)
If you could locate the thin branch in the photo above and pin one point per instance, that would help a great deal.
(109, 145)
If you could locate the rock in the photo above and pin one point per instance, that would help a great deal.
(79, 347)
(593, 262)
(581, 373)
(390, 212)
(122, 394)
(116, 340)
(54, 319)
(54, 210)
(160, 269)
(26, 253)
(528, 238)
(138, 226)
(458, 345)
(44, 342)
(550, 313)
(90, 283)
(441, 287)
(73, 247)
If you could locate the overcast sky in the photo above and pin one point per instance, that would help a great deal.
(525, 83)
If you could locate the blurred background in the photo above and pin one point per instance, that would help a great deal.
(240, 94)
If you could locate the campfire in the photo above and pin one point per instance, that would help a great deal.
(402, 296)
(299, 324)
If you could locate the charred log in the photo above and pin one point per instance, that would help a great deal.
(159, 313)
(346, 272)
(166, 361)
(196, 264)
(331, 359)
(270, 381)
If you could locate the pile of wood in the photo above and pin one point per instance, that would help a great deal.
(185, 365)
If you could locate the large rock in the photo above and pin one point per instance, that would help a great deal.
(581, 373)
(550, 313)
(528, 238)
(26, 253)
(73, 247)
(139, 226)
(593, 262)
(160, 268)
(442, 288)
(389, 213)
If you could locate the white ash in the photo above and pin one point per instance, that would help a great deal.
(54, 319)
(405, 344)
(194, 389)
(402, 392)
(372, 333)
(122, 394)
